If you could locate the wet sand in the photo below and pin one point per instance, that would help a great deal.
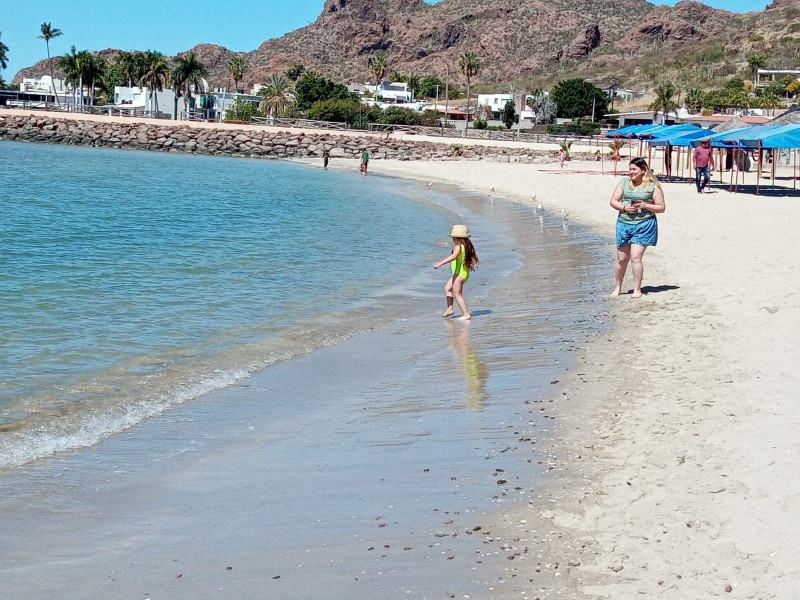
(679, 447)
(383, 466)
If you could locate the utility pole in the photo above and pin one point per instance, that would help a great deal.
(446, 92)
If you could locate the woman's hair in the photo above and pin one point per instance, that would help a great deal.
(648, 174)
(470, 256)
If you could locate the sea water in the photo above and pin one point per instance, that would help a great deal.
(131, 282)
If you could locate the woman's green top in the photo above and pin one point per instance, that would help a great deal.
(631, 193)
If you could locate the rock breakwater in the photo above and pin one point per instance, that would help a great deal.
(247, 141)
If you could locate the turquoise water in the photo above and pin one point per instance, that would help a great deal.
(131, 282)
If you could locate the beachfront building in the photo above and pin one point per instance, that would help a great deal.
(494, 103)
(765, 76)
(644, 117)
(396, 92)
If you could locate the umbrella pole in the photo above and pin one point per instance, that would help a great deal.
(760, 164)
(794, 179)
(774, 156)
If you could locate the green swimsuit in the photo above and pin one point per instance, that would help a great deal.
(459, 265)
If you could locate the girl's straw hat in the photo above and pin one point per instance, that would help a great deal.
(459, 231)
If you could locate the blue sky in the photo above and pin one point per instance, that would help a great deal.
(170, 26)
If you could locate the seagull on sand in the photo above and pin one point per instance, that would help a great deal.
(564, 213)
(533, 196)
(539, 206)
(430, 184)
(492, 188)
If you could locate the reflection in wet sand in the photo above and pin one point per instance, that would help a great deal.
(476, 371)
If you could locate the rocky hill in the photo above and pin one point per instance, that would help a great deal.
(534, 40)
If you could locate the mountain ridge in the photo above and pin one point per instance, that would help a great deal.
(535, 40)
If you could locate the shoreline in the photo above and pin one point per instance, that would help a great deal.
(335, 467)
(683, 447)
(678, 441)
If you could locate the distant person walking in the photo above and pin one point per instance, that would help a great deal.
(326, 156)
(562, 156)
(462, 259)
(637, 198)
(703, 165)
(364, 162)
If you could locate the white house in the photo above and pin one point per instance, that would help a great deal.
(386, 91)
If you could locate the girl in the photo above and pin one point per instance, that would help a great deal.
(637, 199)
(462, 260)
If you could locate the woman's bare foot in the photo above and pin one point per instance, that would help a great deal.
(637, 294)
(617, 291)
(449, 312)
(466, 317)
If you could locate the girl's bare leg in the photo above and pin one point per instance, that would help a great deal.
(448, 296)
(458, 287)
(637, 266)
(623, 256)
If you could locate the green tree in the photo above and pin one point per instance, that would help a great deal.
(754, 63)
(398, 115)
(242, 110)
(278, 96)
(190, 72)
(508, 114)
(154, 78)
(48, 33)
(412, 80)
(3, 55)
(470, 66)
(664, 101)
(237, 67)
(398, 77)
(576, 98)
(541, 105)
(427, 87)
(296, 72)
(693, 100)
(131, 66)
(378, 65)
(337, 111)
(313, 87)
(74, 66)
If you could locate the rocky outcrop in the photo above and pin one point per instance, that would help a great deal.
(582, 44)
(248, 141)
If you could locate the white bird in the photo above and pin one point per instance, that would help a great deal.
(430, 184)
(564, 213)
(533, 196)
(539, 206)
(492, 188)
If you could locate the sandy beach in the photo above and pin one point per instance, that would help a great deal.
(662, 462)
(677, 472)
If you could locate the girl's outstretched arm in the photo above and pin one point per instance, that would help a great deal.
(451, 258)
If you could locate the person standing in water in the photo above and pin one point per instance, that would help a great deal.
(462, 259)
(326, 156)
(364, 162)
(637, 198)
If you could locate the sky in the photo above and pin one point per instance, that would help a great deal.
(170, 26)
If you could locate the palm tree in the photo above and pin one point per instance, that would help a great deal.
(665, 99)
(413, 81)
(71, 65)
(155, 76)
(237, 67)
(279, 96)
(132, 66)
(378, 65)
(190, 72)
(470, 66)
(3, 54)
(754, 63)
(693, 99)
(48, 33)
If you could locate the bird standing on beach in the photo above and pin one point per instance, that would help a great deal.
(430, 184)
(564, 213)
(539, 206)
(492, 188)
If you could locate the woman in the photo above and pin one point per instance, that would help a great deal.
(637, 198)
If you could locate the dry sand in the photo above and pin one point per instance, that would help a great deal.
(677, 472)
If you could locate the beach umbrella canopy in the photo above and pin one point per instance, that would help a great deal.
(729, 139)
(657, 131)
(785, 136)
(627, 131)
(681, 138)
